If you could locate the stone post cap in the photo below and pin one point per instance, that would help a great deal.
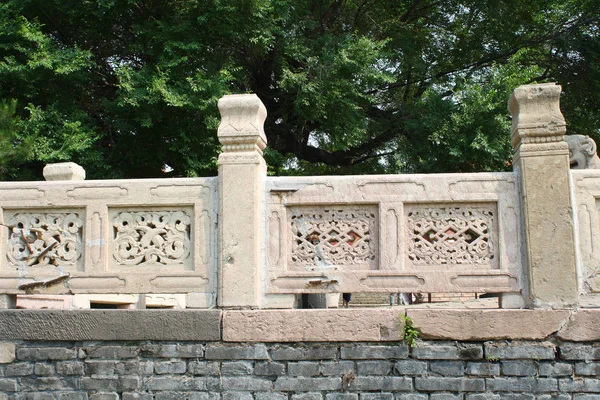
(242, 123)
(65, 171)
(536, 116)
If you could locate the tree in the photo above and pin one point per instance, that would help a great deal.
(129, 88)
(12, 149)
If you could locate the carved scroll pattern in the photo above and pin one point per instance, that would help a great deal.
(45, 239)
(451, 235)
(151, 237)
(329, 237)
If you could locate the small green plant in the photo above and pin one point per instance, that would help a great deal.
(409, 332)
(492, 358)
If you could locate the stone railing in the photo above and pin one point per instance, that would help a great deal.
(447, 233)
(277, 237)
(76, 236)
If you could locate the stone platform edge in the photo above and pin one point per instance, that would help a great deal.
(341, 325)
(101, 325)
(366, 325)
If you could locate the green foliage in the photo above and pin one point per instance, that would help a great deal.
(14, 150)
(410, 334)
(127, 88)
(469, 133)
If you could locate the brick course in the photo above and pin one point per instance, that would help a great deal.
(433, 370)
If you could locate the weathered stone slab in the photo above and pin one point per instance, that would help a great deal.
(487, 324)
(312, 325)
(73, 325)
(582, 327)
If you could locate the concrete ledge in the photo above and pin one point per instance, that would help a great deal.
(75, 325)
(488, 324)
(343, 325)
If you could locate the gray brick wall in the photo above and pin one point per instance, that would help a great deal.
(432, 370)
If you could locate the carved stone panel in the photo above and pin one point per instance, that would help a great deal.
(333, 236)
(144, 238)
(45, 238)
(586, 186)
(452, 235)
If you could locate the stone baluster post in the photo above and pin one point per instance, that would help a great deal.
(541, 161)
(65, 171)
(8, 301)
(242, 173)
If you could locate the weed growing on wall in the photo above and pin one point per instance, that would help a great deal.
(409, 333)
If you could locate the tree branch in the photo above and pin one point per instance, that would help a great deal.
(486, 61)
